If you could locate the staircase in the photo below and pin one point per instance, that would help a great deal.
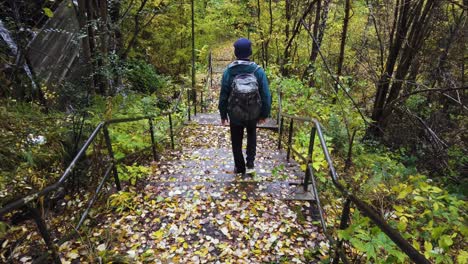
(190, 208)
(193, 209)
(200, 212)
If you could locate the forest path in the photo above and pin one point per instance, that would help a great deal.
(193, 209)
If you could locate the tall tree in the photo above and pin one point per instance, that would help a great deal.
(291, 36)
(85, 44)
(344, 33)
(411, 25)
(136, 31)
(288, 15)
(270, 32)
(320, 24)
(260, 29)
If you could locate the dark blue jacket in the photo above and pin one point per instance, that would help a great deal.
(228, 76)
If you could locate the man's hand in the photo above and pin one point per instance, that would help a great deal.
(224, 122)
(261, 121)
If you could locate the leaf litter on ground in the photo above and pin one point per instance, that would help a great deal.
(191, 208)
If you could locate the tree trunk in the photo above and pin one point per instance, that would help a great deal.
(82, 20)
(136, 30)
(411, 29)
(318, 32)
(344, 33)
(401, 27)
(270, 32)
(262, 37)
(315, 45)
(419, 29)
(117, 40)
(285, 60)
(289, 40)
(92, 43)
(104, 38)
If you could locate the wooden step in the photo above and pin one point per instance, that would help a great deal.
(240, 189)
(214, 119)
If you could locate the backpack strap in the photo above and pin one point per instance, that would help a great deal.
(256, 69)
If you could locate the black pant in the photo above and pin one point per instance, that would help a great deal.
(237, 134)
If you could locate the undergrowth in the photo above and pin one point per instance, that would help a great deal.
(39, 146)
(429, 217)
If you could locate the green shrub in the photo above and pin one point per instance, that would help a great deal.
(33, 145)
(132, 173)
(429, 217)
(142, 77)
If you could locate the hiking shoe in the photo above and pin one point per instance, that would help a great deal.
(250, 170)
(239, 171)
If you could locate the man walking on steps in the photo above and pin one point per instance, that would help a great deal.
(244, 101)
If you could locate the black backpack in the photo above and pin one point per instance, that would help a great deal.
(245, 103)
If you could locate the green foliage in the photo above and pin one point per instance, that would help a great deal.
(457, 161)
(131, 137)
(371, 241)
(48, 12)
(112, 256)
(122, 201)
(142, 77)
(128, 138)
(277, 172)
(41, 145)
(132, 173)
(432, 219)
(34, 144)
(415, 102)
(338, 134)
(168, 47)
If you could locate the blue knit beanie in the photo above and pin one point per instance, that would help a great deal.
(243, 48)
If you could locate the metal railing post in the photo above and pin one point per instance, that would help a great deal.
(317, 199)
(171, 131)
(291, 124)
(194, 92)
(311, 143)
(201, 101)
(280, 109)
(153, 143)
(211, 70)
(309, 158)
(343, 225)
(41, 225)
(194, 103)
(94, 198)
(188, 105)
(307, 177)
(111, 155)
(280, 132)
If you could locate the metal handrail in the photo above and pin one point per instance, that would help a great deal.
(316, 130)
(25, 201)
(208, 83)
